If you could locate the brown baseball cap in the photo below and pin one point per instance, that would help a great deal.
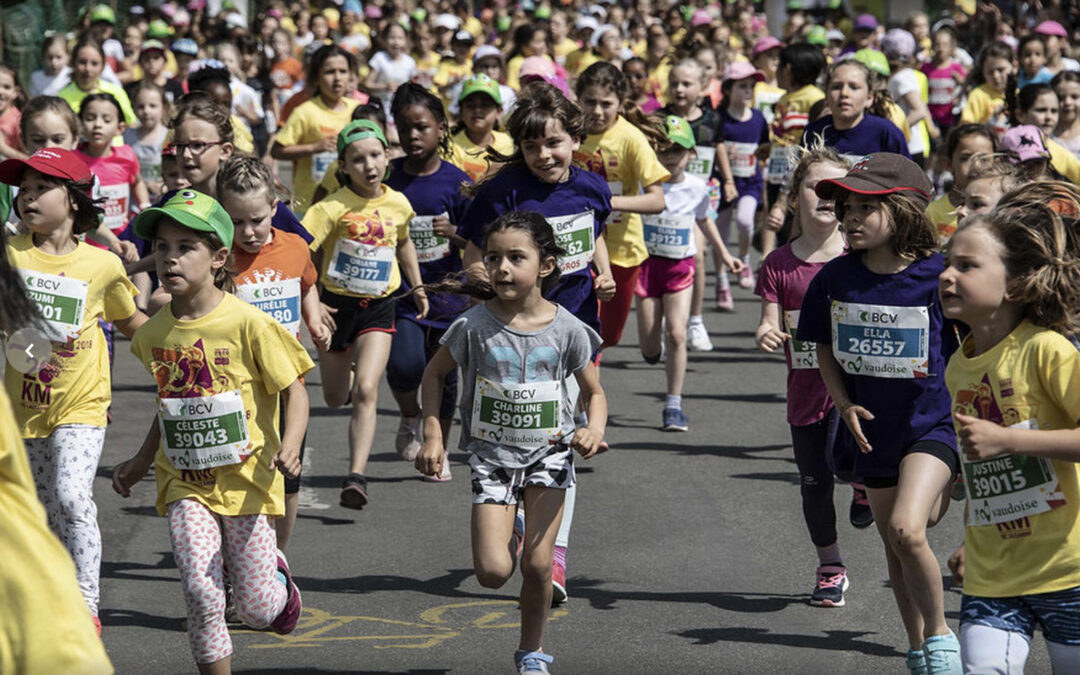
(882, 173)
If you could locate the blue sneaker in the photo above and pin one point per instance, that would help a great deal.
(942, 653)
(675, 420)
(832, 583)
(916, 662)
(532, 663)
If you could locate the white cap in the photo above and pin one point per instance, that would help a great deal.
(834, 34)
(234, 20)
(447, 21)
(584, 22)
(486, 51)
(598, 34)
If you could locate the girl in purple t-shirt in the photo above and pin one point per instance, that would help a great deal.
(782, 283)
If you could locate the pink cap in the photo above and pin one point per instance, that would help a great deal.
(554, 80)
(740, 70)
(537, 65)
(1025, 143)
(1052, 28)
(765, 44)
(373, 12)
(700, 18)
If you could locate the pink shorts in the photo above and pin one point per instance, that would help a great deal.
(661, 276)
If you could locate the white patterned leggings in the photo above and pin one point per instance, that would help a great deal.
(64, 465)
(203, 544)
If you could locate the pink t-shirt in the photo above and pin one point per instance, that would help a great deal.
(944, 90)
(115, 176)
(9, 127)
(783, 279)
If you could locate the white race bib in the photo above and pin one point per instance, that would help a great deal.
(363, 269)
(429, 246)
(61, 301)
(279, 299)
(881, 340)
(779, 164)
(803, 354)
(702, 165)
(320, 162)
(524, 416)
(741, 158)
(203, 432)
(1009, 487)
(668, 236)
(117, 204)
(574, 234)
(942, 90)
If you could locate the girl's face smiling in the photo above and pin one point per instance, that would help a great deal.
(513, 264)
(184, 261)
(43, 203)
(49, 129)
(549, 157)
(87, 68)
(365, 163)
(333, 78)
(537, 46)
(601, 107)
(1043, 113)
(848, 95)
(8, 90)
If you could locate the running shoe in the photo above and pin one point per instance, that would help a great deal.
(444, 475)
(860, 514)
(558, 583)
(697, 338)
(408, 438)
(942, 653)
(832, 583)
(354, 493)
(746, 277)
(916, 662)
(532, 663)
(958, 492)
(290, 614)
(675, 420)
(97, 624)
(724, 301)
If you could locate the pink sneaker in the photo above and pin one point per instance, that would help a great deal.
(444, 476)
(746, 278)
(290, 614)
(558, 583)
(724, 301)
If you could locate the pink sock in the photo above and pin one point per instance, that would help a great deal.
(560, 556)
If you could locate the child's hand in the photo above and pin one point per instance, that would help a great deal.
(442, 226)
(981, 439)
(327, 317)
(287, 461)
(775, 220)
(429, 461)
(771, 338)
(127, 251)
(956, 565)
(731, 193)
(421, 303)
(321, 335)
(763, 152)
(734, 265)
(328, 144)
(127, 474)
(587, 442)
(605, 287)
(851, 416)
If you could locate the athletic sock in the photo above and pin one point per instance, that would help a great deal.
(673, 402)
(560, 556)
(830, 555)
(694, 320)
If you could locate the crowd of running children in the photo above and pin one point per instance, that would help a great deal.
(479, 196)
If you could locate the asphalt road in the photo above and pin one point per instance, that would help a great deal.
(688, 554)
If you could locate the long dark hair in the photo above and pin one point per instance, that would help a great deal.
(87, 210)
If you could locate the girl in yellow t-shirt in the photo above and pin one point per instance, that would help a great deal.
(481, 105)
(990, 78)
(621, 148)
(1013, 278)
(310, 134)
(361, 232)
(220, 365)
(61, 405)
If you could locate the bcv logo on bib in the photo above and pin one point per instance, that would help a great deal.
(881, 340)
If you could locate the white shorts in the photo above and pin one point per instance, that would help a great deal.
(493, 484)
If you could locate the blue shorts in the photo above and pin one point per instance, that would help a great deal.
(1057, 613)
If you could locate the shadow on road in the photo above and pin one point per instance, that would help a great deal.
(112, 618)
(748, 603)
(351, 671)
(444, 586)
(834, 640)
(735, 452)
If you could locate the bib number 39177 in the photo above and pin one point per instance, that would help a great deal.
(204, 432)
(881, 340)
(522, 416)
(363, 269)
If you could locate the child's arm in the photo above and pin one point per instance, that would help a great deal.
(651, 200)
(141, 265)
(429, 461)
(982, 439)
(769, 336)
(834, 382)
(141, 192)
(586, 440)
(444, 228)
(287, 458)
(728, 190)
(300, 150)
(127, 474)
(708, 228)
(129, 325)
(311, 310)
(410, 267)
(473, 261)
(104, 236)
(604, 283)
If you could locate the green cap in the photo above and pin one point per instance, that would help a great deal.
(817, 35)
(158, 29)
(794, 5)
(503, 23)
(834, 4)
(419, 14)
(874, 60)
(191, 209)
(483, 84)
(543, 12)
(103, 13)
(679, 131)
(358, 130)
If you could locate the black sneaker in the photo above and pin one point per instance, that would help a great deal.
(861, 515)
(832, 582)
(354, 492)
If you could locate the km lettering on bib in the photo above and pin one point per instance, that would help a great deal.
(61, 301)
(881, 340)
(429, 246)
(279, 299)
(574, 234)
(524, 416)
(363, 269)
(204, 432)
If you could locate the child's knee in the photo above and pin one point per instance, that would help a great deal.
(365, 390)
(335, 398)
(906, 536)
(651, 360)
(536, 567)
(676, 334)
(492, 576)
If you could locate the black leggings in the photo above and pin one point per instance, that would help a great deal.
(412, 347)
(812, 445)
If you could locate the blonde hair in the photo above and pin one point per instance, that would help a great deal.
(816, 153)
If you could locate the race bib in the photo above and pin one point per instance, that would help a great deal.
(742, 159)
(779, 164)
(669, 236)
(279, 299)
(363, 269)
(881, 340)
(1009, 487)
(803, 354)
(616, 191)
(942, 90)
(702, 164)
(574, 234)
(117, 204)
(61, 301)
(429, 246)
(203, 432)
(320, 162)
(522, 416)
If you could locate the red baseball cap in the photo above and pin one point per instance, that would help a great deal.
(55, 162)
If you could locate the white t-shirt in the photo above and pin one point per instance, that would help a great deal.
(244, 96)
(393, 72)
(688, 196)
(42, 84)
(901, 84)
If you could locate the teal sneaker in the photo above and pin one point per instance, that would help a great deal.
(532, 663)
(942, 654)
(916, 662)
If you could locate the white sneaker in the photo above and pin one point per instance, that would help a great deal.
(408, 438)
(697, 338)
